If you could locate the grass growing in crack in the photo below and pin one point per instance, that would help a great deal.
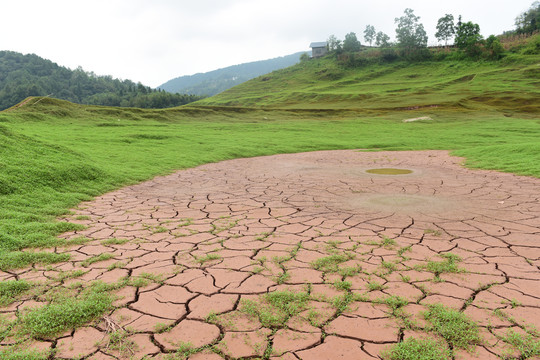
(341, 303)
(390, 266)
(183, 351)
(185, 222)
(11, 289)
(263, 236)
(69, 275)
(456, 328)
(386, 242)
(433, 232)
(208, 257)
(331, 263)
(513, 303)
(403, 250)
(374, 285)
(349, 270)
(16, 353)
(222, 225)
(114, 241)
(274, 309)
(82, 217)
(160, 328)
(395, 303)
(257, 270)
(119, 342)
(282, 278)
(342, 285)
(18, 260)
(145, 279)
(57, 317)
(97, 258)
(418, 349)
(116, 265)
(526, 344)
(332, 245)
(448, 265)
(80, 240)
(155, 229)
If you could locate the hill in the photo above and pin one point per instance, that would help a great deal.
(214, 82)
(444, 82)
(30, 75)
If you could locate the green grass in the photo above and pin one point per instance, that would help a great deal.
(331, 263)
(97, 258)
(15, 353)
(448, 265)
(275, 308)
(208, 257)
(456, 328)
(418, 349)
(9, 290)
(525, 344)
(57, 317)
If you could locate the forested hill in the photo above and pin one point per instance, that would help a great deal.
(30, 75)
(214, 82)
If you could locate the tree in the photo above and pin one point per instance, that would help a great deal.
(369, 34)
(304, 57)
(351, 43)
(410, 34)
(494, 47)
(445, 28)
(468, 38)
(382, 39)
(529, 21)
(333, 43)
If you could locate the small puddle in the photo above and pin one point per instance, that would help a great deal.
(389, 171)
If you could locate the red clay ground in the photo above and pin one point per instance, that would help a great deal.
(220, 236)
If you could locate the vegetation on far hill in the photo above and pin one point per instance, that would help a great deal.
(30, 75)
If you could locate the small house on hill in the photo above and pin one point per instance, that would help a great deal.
(318, 49)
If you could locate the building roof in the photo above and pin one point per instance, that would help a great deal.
(318, 44)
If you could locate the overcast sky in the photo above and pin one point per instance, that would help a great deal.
(153, 41)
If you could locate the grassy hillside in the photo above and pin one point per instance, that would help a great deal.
(509, 85)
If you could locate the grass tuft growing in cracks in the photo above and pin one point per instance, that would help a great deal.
(418, 349)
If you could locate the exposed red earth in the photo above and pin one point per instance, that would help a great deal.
(218, 237)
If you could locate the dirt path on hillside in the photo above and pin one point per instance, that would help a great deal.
(212, 241)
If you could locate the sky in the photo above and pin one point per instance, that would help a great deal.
(153, 41)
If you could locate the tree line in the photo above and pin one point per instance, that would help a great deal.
(30, 75)
(411, 37)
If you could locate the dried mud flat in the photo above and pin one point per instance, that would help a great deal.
(210, 245)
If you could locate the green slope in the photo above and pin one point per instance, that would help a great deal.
(508, 85)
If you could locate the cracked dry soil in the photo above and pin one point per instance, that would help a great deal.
(220, 236)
